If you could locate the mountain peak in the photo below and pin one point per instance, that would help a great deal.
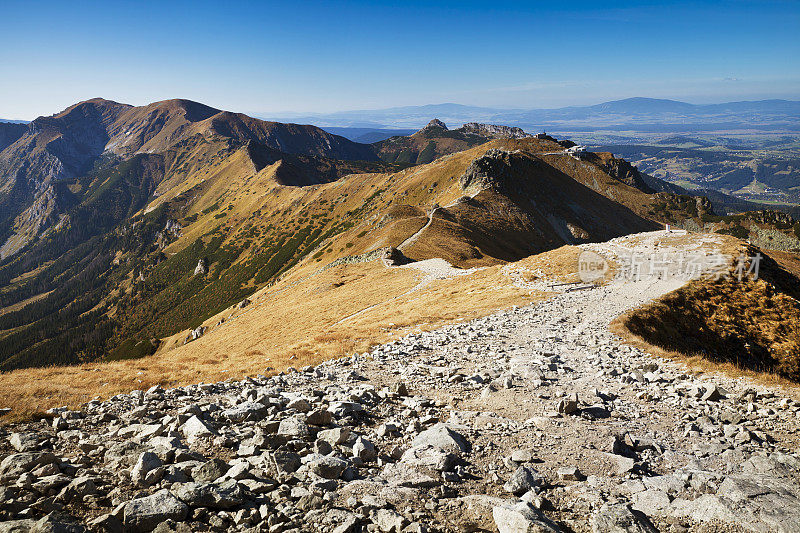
(193, 111)
(435, 123)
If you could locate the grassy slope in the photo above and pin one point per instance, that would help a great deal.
(260, 234)
(752, 324)
(251, 227)
(276, 331)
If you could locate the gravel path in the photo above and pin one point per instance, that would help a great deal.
(531, 419)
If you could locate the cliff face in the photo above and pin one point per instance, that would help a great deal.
(623, 171)
(494, 131)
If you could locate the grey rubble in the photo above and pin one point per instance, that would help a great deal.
(460, 429)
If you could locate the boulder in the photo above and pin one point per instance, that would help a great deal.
(619, 518)
(147, 470)
(142, 515)
(328, 467)
(245, 411)
(24, 442)
(17, 464)
(293, 427)
(522, 480)
(443, 437)
(195, 429)
(222, 496)
(522, 518)
(210, 470)
(77, 489)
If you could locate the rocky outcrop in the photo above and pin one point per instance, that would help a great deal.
(490, 171)
(202, 267)
(435, 124)
(494, 131)
(626, 173)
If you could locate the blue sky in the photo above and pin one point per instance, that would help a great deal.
(280, 57)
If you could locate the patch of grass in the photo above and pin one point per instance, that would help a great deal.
(752, 324)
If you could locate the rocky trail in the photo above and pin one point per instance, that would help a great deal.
(534, 419)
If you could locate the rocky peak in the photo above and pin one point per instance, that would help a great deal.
(494, 130)
(626, 173)
(490, 171)
(435, 124)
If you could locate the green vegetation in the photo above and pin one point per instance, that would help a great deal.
(737, 230)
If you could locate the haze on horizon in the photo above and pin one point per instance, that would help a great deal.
(273, 58)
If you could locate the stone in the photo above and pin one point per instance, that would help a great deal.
(222, 496)
(400, 388)
(711, 394)
(17, 526)
(334, 436)
(107, 523)
(522, 518)
(406, 475)
(364, 450)
(195, 429)
(293, 427)
(319, 417)
(147, 470)
(285, 461)
(667, 483)
(567, 406)
(328, 467)
(245, 411)
(46, 484)
(522, 480)
(201, 268)
(389, 521)
(24, 442)
(430, 457)
(522, 456)
(209, 471)
(77, 489)
(618, 518)
(651, 502)
(144, 514)
(569, 473)
(443, 437)
(17, 464)
(299, 404)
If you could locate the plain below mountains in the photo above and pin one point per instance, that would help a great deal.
(639, 114)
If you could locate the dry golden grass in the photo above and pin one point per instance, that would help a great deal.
(19, 305)
(699, 364)
(301, 320)
(747, 325)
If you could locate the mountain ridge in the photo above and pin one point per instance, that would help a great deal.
(775, 114)
(65, 146)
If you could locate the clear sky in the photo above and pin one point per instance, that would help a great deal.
(278, 57)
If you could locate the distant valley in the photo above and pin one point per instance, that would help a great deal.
(633, 114)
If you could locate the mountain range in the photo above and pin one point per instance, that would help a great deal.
(125, 228)
(640, 114)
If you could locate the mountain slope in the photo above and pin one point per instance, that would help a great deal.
(110, 281)
(67, 145)
(9, 133)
